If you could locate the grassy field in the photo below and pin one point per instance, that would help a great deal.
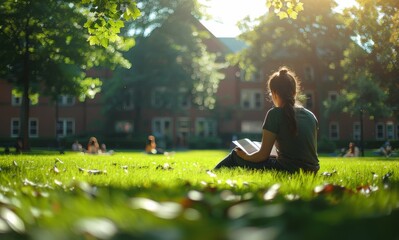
(131, 195)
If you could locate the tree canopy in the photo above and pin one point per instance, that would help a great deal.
(50, 51)
(169, 57)
(375, 28)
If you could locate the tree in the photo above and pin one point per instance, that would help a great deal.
(169, 60)
(375, 27)
(361, 96)
(49, 51)
(317, 37)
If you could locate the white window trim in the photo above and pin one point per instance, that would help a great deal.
(14, 101)
(63, 100)
(355, 132)
(252, 101)
(37, 127)
(162, 130)
(64, 132)
(383, 131)
(208, 132)
(391, 124)
(329, 130)
(12, 127)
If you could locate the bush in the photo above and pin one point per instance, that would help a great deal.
(326, 146)
(204, 143)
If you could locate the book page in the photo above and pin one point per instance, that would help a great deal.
(250, 147)
(247, 145)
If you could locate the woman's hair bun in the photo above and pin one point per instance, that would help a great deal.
(283, 71)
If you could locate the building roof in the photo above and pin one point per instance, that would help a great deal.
(233, 44)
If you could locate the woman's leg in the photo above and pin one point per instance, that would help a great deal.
(233, 160)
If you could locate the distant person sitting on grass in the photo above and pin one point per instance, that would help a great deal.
(353, 151)
(76, 146)
(386, 149)
(93, 147)
(288, 126)
(18, 146)
(151, 146)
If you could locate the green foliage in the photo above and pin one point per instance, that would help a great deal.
(105, 19)
(139, 196)
(51, 54)
(170, 62)
(285, 8)
(374, 27)
(317, 34)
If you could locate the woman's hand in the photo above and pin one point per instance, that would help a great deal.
(240, 153)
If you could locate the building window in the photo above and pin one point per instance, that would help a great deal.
(379, 131)
(128, 100)
(309, 101)
(334, 131)
(33, 127)
(66, 100)
(356, 131)
(390, 131)
(251, 99)
(251, 126)
(160, 98)
(205, 127)
(309, 73)
(183, 131)
(254, 77)
(332, 96)
(16, 100)
(15, 127)
(65, 127)
(162, 130)
(184, 99)
(123, 127)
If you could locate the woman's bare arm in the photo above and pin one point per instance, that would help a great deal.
(268, 139)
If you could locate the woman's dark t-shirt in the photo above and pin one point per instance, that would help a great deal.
(295, 151)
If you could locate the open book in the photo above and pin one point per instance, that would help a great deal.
(250, 147)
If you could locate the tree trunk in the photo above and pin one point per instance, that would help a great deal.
(25, 95)
(361, 133)
(57, 138)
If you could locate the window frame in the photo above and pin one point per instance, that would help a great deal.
(377, 135)
(250, 96)
(330, 132)
(65, 127)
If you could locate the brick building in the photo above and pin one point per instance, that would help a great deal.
(241, 106)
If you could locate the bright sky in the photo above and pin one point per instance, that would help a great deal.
(226, 14)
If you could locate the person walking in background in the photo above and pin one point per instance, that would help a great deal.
(288, 126)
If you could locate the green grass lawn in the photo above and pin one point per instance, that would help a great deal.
(131, 195)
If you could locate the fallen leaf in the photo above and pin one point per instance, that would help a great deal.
(271, 192)
(13, 220)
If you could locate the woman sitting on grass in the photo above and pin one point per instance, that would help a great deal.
(288, 126)
(93, 146)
